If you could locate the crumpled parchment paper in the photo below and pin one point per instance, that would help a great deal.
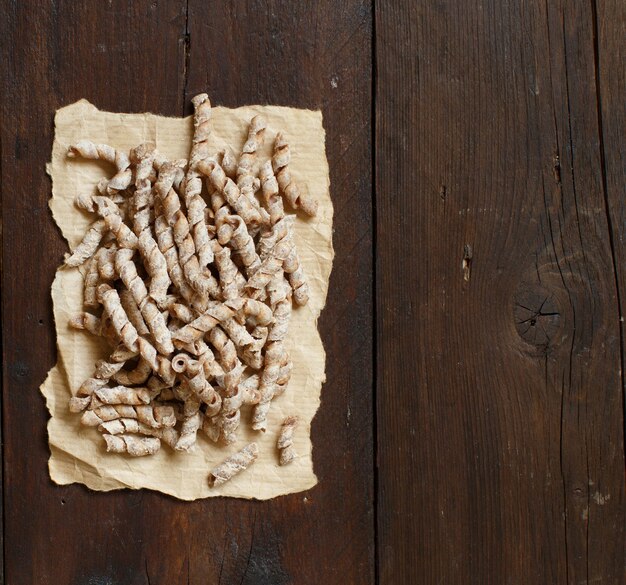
(77, 452)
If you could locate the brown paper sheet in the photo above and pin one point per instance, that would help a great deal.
(77, 452)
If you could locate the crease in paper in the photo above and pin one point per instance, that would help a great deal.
(77, 454)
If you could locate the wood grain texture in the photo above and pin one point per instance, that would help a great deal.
(499, 395)
(154, 56)
(500, 351)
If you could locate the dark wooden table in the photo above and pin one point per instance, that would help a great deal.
(472, 426)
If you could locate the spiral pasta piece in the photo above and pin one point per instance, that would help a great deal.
(193, 182)
(155, 321)
(269, 376)
(230, 192)
(285, 440)
(88, 246)
(137, 446)
(233, 465)
(203, 283)
(288, 187)
(89, 150)
(271, 197)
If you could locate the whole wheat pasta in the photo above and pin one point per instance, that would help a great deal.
(90, 385)
(223, 228)
(193, 181)
(113, 307)
(189, 431)
(196, 299)
(238, 334)
(196, 329)
(137, 446)
(256, 313)
(229, 163)
(92, 279)
(202, 282)
(216, 199)
(271, 196)
(230, 192)
(86, 321)
(212, 368)
(143, 199)
(228, 360)
(233, 465)
(284, 375)
(156, 415)
(168, 435)
(199, 385)
(149, 353)
(250, 389)
(132, 310)
(156, 267)
(123, 395)
(269, 238)
(89, 150)
(112, 216)
(252, 354)
(295, 275)
(229, 423)
(143, 219)
(288, 187)
(256, 132)
(269, 375)
(78, 403)
(151, 415)
(167, 246)
(241, 242)
(119, 426)
(127, 271)
(280, 299)
(105, 370)
(138, 375)
(182, 312)
(231, 280)
(96, 416)
(246, 181)
(88, 246)
(285, 440)
(210, 428)
(226, 351)
(269, 267)
(96, 326)
(84, 201)
(105, 261)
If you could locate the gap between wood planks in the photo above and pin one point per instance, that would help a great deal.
(374, 97)
(186, 57)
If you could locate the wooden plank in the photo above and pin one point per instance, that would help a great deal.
(610, 84)
(55, 53)
(317, 56)
(500, 421)
(139, 56)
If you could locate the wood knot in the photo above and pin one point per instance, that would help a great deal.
(537, 316)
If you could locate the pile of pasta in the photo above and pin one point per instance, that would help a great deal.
(190, 274)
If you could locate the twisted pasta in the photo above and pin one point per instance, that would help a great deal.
(287, 186)
(137, 446)
(285, 440)
(87, 149)
(233, 465)
(193, 181)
